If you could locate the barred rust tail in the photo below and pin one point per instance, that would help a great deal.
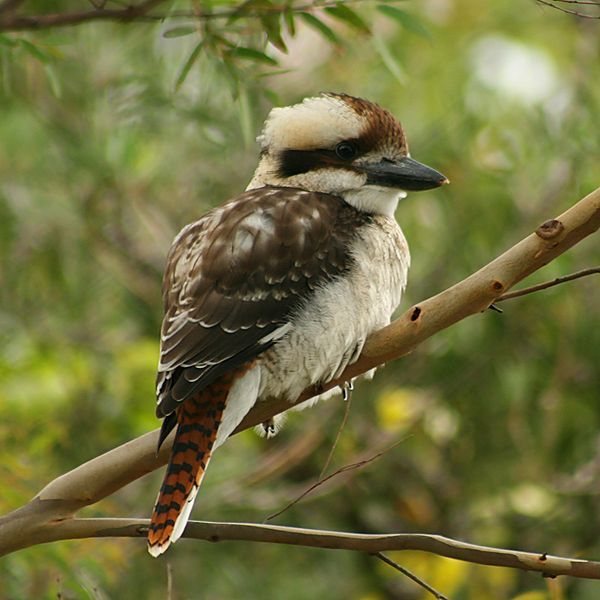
(198, 421)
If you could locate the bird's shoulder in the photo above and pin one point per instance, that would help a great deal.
(262, 239)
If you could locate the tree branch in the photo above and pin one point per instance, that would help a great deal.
(410, 575)
(10, 21)
(334, 540)
(568, 11)
(548, 284)
(49, 516)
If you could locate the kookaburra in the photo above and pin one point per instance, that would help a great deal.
(277, 289)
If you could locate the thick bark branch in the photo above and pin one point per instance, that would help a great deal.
(49, 516)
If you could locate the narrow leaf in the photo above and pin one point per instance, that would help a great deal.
(272, 26)
(319, 26)
(7, 41)
(180, 31)
(253, 54)
(389, 60)
(34, 51)
(53, 80)
(290, 22)
(408, 21)
(189, 63)
(246, 124)
(348, 16)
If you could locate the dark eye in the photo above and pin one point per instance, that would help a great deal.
(346, 150)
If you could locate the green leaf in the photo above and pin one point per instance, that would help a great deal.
(180, 31)
(319, 26)
(256, 7)
(389, 60)
(342, 13)
(408, 21)
(274, 72)
(35, 51)
(290, 23)
(53, 80)
(253, 54)
(245, 115)
(7, 41)
(189, 63)
(272, 26)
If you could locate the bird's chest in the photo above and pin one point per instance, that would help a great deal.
(330, 328)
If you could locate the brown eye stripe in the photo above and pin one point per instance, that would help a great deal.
(295, 162)
(383, 133)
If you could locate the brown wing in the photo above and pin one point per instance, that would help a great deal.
(234, 278)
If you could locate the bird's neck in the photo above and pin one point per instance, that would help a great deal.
(374, 199)
(265, 174)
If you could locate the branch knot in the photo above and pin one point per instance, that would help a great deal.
(550, 229)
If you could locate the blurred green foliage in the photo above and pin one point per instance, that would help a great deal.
(112, 137)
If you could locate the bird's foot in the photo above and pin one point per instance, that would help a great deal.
(347, 387)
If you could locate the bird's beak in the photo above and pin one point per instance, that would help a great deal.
(404, 173)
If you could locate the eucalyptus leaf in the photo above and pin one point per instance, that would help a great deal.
(180, 31)
(407, 20)
(319, 26)
(342, 13)
(253, 54)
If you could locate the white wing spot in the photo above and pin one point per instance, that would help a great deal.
(242, 241)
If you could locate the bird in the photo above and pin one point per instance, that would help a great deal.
(277, 289)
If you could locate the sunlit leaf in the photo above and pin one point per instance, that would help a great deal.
(253, 54)
(253, 7)
(290, 21)
(7, 41)
(342, 13)
(34, 51)
(55, 84)
(319, 26)
(408, 21)
(189, 63)
(535, 595)
(272, 26)
(180, 31)
(390, 61)
(245, 116)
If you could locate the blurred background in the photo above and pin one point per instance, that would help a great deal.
(112, 137)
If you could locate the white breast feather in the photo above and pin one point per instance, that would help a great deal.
(330, 330)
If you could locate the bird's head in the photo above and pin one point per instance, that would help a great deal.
(338, 144)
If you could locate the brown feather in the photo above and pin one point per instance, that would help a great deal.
(238, 274)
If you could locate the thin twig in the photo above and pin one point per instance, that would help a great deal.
(9, 5)
(357, 465)
(139, 13)
(169, 581)
(568, 11)
(548, 284)
(337, 436)
(411, 575)
(130, 13)
(588, 2)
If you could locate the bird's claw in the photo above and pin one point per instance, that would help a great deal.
(347, 387)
